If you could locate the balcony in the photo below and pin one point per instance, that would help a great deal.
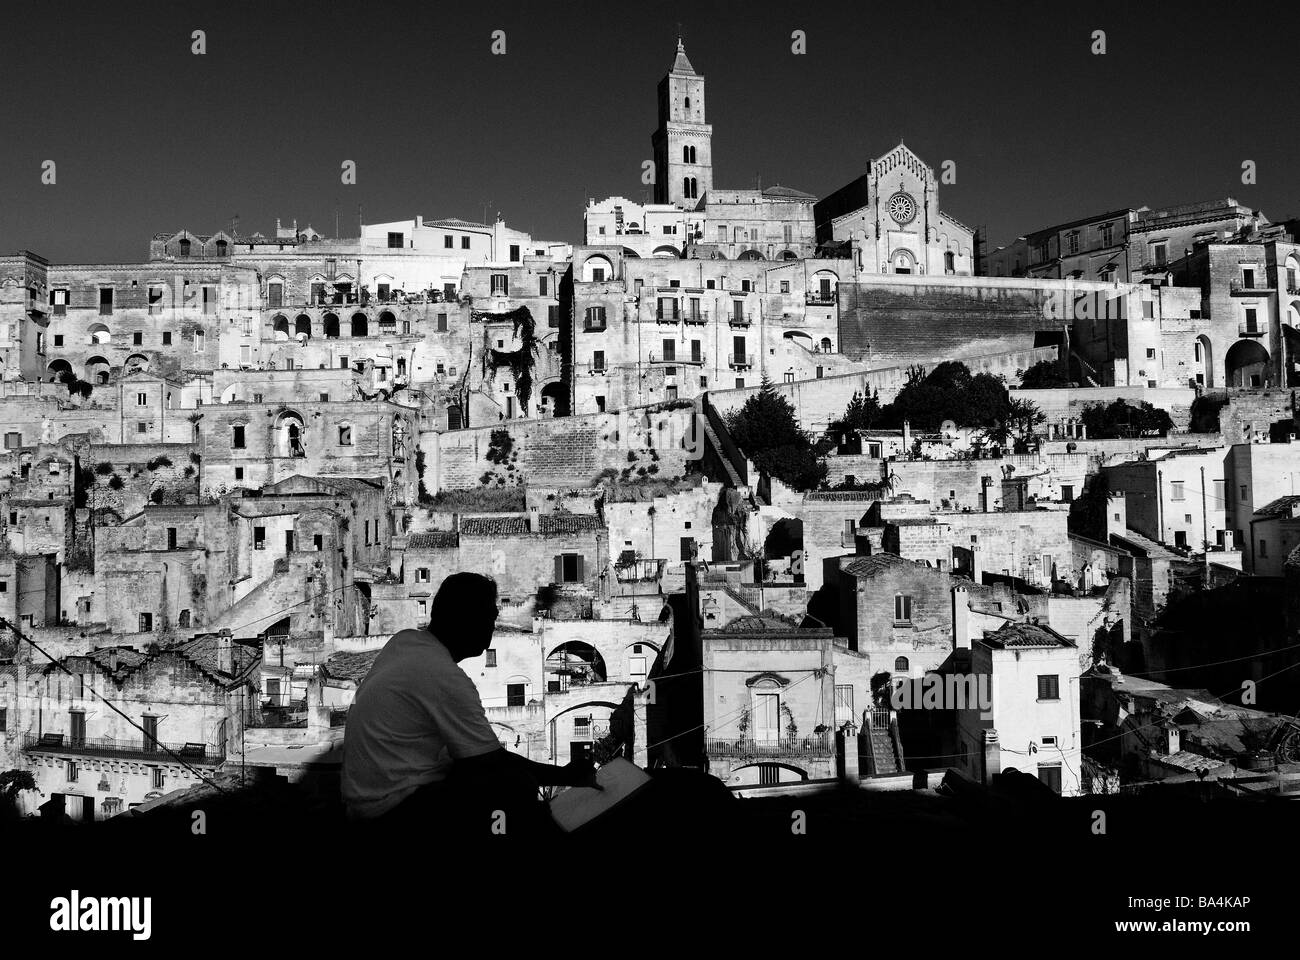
(813, 746)
(694, 358)
(1239, 288)
(639, 571)
(740, 360)
(700, 317)
(674, 316)
(122, 749)
(595, 368)
(592, 326)
(820, 298)
(739, 321)
(1249, 330)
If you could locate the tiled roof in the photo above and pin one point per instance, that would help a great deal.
(351, 666)
(876, 563)
(493, 526)
(787, 192)
(433, 540)
(1281, 507)
(455, 222)
(569, 522)
(1026, 635)
(202, 651)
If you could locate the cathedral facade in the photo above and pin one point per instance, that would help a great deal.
(892, 218)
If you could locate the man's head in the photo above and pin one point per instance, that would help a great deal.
(464, 614)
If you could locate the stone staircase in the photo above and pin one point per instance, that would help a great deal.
(879, 752)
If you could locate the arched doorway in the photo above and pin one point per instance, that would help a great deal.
(573, 663)
(59, 370)
(289, 435)
(99, 334)
(1246, 365)
(97, 370)
(555, 400)
(302, 326)
(1203, 358)
(280, 327)
(330, 322)
(360, 325)
(902, 262)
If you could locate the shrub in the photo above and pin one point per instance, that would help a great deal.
(104, 469)
(116, 482)
(158, 462)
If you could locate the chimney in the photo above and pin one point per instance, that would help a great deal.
(1116, 514)
(986, 504)
(1175, 738)
(1228, 537)
(534, 519)
(112, 660)
(961, 618)
(907, 437)
(846, 752)
(225, 652)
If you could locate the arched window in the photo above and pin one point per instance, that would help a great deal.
(184, 246)
(302, 325)
(949, 261)
(901, 665)
(686, 187)
(826, 344)
(360, 326)
(688, 103)
(200, 341)
(331, 323)
(221, 252)
(345, 434)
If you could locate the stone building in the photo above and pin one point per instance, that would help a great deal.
(24, 316)
(891, 217)
(187, 704)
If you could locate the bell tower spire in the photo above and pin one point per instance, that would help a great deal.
(683, 142)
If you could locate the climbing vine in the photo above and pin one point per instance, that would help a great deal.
(519, 361)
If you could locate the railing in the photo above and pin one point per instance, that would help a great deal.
(814, 745)
(741, 359)
(593, 367)
(1292, 290)
(739, 321)
(1240, 286)
(878, 717)
(694, 358)
(125, 749)
(593, 730)
(590, 327)
(696, 316)
(639, 571)
(661, 317)
(1249, 330)
(815, 298)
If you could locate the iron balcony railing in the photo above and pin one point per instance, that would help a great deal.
(593, 367)
(139, 749)
(739, 321)
(1249, 330)
(816, 298)
(813, 745)
(696, 316)
(741, 359)
(692, 358)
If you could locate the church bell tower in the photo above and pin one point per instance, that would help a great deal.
(683, 142)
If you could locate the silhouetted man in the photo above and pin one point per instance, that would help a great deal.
(418, 749)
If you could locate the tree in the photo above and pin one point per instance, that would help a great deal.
(1123, 419)
(12, 783)
(766, 430)
(948, 393)
(862, 413)
(1044, 375)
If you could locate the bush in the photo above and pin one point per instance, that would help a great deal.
(1123, 419)
(1044, 375)
(156, 496)
(103, 469)
(158, 462)
(116, 482)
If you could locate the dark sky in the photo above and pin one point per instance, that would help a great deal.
(149, 138)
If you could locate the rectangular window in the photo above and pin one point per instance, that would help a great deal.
(464, 243)
(237, 438)
(516, 694)
(159, 778)
(514, 253)
(105, 301)
(259, 538)
(541, 286)
(670, 351)
(598, 360)
(1263, 548)
(167, 339)
(1248, 278)
(141, 399)
(1252, 322)
(448, 241)
(902, 608)
(59, 298)
(146, 623)
(490, 658)
(1049, 686)
(137, 339)
(1176, 490)
(500, 284)
(1160, 253)
(396, 241)
(209, 300)
(1050, 774)
(4, 720)
(72, 771)
(422, 609)
(568, 568)
(142, 426)
(171, 538)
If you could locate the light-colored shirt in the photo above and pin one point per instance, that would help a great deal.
(416, 712)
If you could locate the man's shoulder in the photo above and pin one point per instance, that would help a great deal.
(417, 647)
